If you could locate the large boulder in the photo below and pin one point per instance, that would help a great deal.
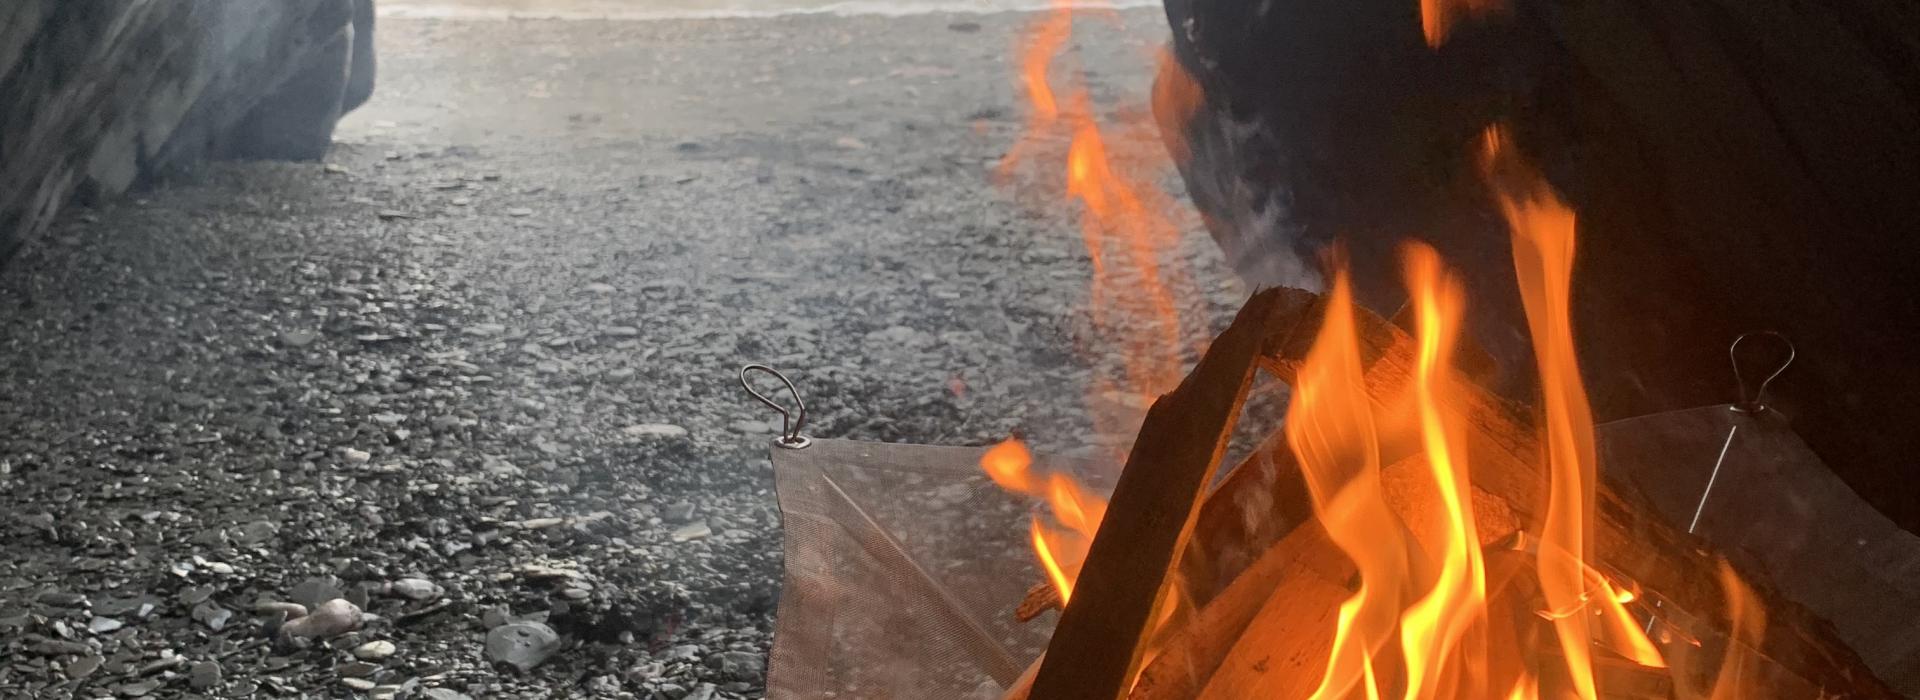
(104, 93)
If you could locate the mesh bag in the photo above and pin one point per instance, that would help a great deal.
(904, 565)
(1778, 511)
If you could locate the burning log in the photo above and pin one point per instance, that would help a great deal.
(1399, 528)
(1738, 166)
(1295, 585)
(1631, 536)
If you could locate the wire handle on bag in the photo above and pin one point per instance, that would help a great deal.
(790, 421)
(1756, 401)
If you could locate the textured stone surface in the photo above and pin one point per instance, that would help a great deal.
(103, 93)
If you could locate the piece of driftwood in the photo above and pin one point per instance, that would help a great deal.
(1129, 571)
(1231, 543)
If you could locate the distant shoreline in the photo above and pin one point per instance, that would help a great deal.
(645, 10)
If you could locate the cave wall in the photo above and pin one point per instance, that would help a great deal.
(97, 95)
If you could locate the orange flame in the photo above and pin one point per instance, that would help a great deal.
(1128, 225)
(1543, 249)
(1425, 587)
(1417, 625)
(1437, 17)
(1749, 621)
(1336, 432)
(1331, 429)
(1434, 626)
(1060, 547)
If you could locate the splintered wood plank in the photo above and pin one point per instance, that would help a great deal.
(1129, 574)
(1304, 570)
(1283, 651)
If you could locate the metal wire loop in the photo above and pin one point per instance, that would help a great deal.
(1755, 402)
(790, 421)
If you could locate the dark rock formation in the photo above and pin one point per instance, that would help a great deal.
(103, 93)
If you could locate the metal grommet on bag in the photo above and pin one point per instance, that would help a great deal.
(791, 421)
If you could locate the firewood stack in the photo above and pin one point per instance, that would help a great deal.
(1259, 582)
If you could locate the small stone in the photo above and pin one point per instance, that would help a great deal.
(522, 645)
(356, 669)
(392, 214)
(212, 615)
(103, 625)
(194, 595)
(704, 691)
(678, 512)
(60, 647)
(444, 694)
(354, 456)
(314, 591)
(83, 667)
(375, 650)
(738, 665)
(287, 610)
(143, 688)
(623, 332)
(499, 467)
(331, 619)
(645, 672)
(298, 339)
(604, 686)
(62, 599)
(659, 430)
(575, 594)
(164, 663)
(599, 288)
(538, 523)
(495, 616)
(204, 675)
(850, 143)
(754, 427)
(415, 589)
(519, 212)
(360, 684)
(692, 531)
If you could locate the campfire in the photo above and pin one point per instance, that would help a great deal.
(1407, 533)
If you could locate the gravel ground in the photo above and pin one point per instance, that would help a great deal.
(475, 375)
